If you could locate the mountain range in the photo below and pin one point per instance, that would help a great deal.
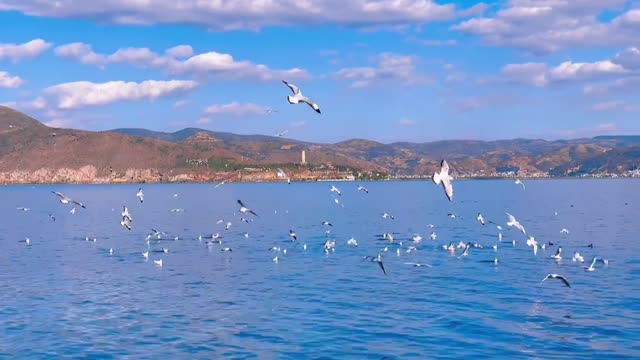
(33, 152)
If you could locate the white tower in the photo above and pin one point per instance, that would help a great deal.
(304, 158)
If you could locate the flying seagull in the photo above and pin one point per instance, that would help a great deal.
(592, 266)
(480, 218)
(65, 200)
(292, 235)
(281, 134)
(443, 178)
(72, 211)
(377, 259)
(388, 216)
(140, 195)
(336, 190)
(519, 182)
(559, 277)
(362, 188)
(125, 214)
(513, 222)
(244, 209)
(299, 98)
(327, 223)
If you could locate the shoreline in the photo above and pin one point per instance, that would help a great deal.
(310, 181)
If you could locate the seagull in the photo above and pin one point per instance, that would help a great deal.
(125, 214)
(466, 250)
(65, 200)
(453, 216)
(271, 111)
(140, 195)
(387, 216)
(513, 222)
(327, 223)
(275, 259)
(480, 218)
(281, 134)
(443, 178)
(244, 209)
(558, 255)
(126, 222)
(533, 243)
(417, 264)
(352, 242)
(336, 190)
(559, 277)
(292, 235)
(219, 184)
(281, 174)
(519, 182)
(158, 262)
(72, 211)
(577, 257)
(299, 98)
(362, 188)
(227, 226)
(564, 231)
(329, 245)
(433, 236)
(226, 249)
(146, 255)
(52, 217)
(593, 262)
(500, 237)
(23, 208)
(416, 238)
(377, 259)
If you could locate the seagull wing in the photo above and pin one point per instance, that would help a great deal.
(293, 88)
(251, 211)
(448, 187)
(563, 280)
(61, 195)
(382, 267)
(79, 204)
(240, 203)
(593, 262)
(444, 168)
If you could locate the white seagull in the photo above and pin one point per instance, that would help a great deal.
(65, 200)
(352, 242)
(480, 218)
(514, 223)
(72, 211)
(362, 188)
(519, 182)
(387, 216)
(299, 98)
(140, 195)
(443, 178)
(564, 231)
(593, 263)
(335, 190)
(244, 209)
(281, 134)
(559, 277)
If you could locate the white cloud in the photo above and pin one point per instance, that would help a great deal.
(28, 50)
(8, 81)
(629, 58)
(203, 121)
(80, 94)
(539, 74)
(248, 14)
(38, 103)
(81, 52)
(236, 109)
(615, 106)
(388, 67)
(620, 86)
(407, 123)
(209, 64)
(180, 103)
(542, 26)
(432, 42)
(180, 51)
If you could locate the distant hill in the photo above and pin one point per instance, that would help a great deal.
(29, 149)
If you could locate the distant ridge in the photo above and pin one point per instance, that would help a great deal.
(28, 148)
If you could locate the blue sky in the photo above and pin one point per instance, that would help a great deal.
(386, 70)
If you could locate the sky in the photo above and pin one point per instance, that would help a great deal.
(384, 70)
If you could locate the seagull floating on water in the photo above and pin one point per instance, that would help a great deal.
(352, 242)
(298, 98)
(443, 178)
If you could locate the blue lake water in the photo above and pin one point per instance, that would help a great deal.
(63, 296)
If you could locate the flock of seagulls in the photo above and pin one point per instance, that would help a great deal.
(440, 177)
